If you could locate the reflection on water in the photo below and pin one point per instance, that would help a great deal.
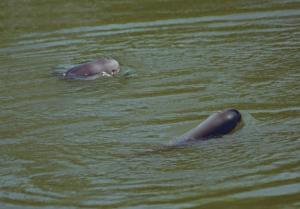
(81, 143)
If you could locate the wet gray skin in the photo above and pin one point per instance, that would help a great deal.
(216, 125)
(94, 69)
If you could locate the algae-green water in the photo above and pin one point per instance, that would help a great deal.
(97, 144)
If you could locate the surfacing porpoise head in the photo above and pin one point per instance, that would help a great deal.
(94, 69)
(223, 122)
(218, 124)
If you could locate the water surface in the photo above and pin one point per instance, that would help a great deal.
(95, 144)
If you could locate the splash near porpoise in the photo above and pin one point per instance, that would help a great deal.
(216, 125)
(94, 69)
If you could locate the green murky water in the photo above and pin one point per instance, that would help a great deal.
(78, 144)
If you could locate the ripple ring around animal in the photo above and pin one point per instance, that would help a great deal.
(94, 69)
(216, 125)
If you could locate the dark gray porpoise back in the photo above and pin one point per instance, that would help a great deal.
(100, 67)
(218, 124)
